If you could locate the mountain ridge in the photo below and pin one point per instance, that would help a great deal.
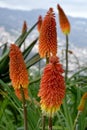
(13, 19)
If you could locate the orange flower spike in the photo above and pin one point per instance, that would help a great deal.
(18, 72)
(48, 35)
(39, 23)
(18, 93)
(52, 87)
(24, 28)
(82, 102)
(63, 20)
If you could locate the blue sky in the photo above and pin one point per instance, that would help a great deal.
(76, 8)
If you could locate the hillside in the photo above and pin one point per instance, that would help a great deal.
(12, 21)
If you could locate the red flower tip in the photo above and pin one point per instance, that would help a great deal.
(58, 6)
(82, 102)
(51, 10)
(40, 18)
(63, 20)
(24, 28)
(54, 59)
(84, 96)
(39, 23)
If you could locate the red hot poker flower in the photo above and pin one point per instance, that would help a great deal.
(48, 35)
(52, 87)
(82, 102)
(63, 20)
(39, 23)
(24, 28)
(18, 72)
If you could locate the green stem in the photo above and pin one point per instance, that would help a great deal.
(44, 118)
(50, 123)
(43, 122)
(47, 60)
(67, 45)
(24, 108)
(24, 46)
(76, 120)
(39, 67)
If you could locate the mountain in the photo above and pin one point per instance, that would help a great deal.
(12, 21)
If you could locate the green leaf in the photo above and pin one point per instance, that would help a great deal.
(4, 56)
(83, 69)
(5, 78)
(11, 95)
(33, 60)
(3, 106)
(23, 36)
(5, 48)
(29, 48)
(4, 64)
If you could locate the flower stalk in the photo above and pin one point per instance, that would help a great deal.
(24, 109)
(43, 122)
(76, 121)
(50, 123)
(67, 46)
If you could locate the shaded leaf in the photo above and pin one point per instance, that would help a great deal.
(33, 60)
